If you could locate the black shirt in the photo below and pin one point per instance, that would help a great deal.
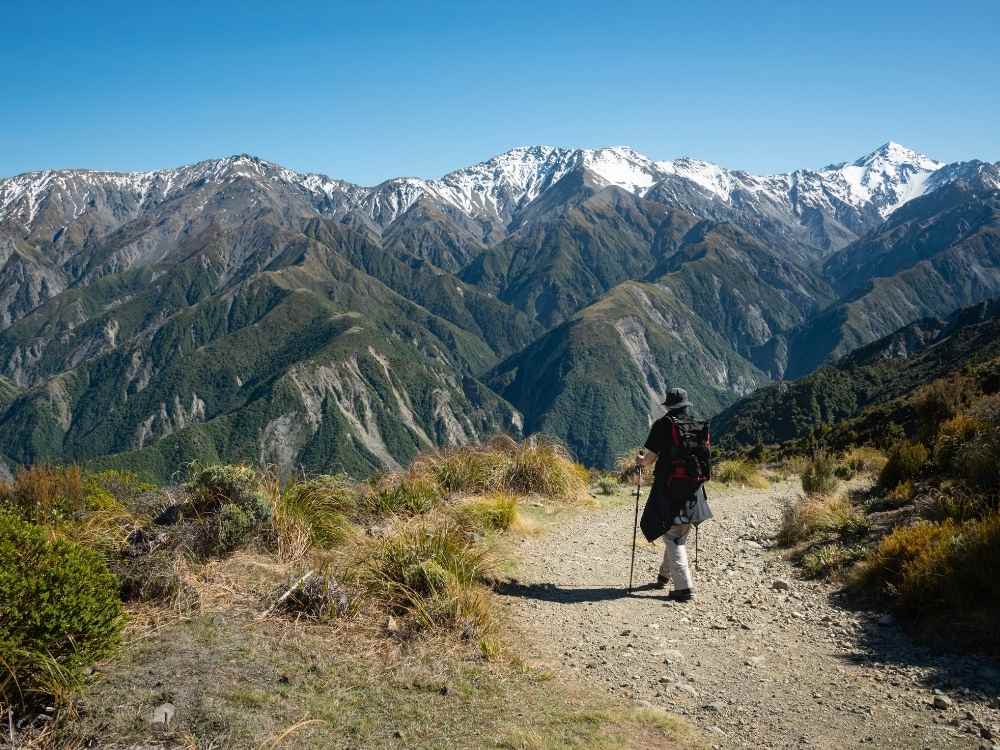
(661, 442)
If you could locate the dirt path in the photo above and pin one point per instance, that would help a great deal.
(751, 662)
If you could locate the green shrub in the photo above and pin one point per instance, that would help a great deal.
(906, 460)
(938, 402)
(211, 487)
(233, 527)
(738, 472)
(818, 477)
(60, 612)
(844, 471)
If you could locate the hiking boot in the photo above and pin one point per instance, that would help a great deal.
(661, 582)
(680, 595)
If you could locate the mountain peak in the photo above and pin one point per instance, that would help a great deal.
(891, 153)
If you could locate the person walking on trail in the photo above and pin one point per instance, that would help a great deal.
(681, 450)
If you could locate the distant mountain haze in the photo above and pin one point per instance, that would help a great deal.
(237, 310)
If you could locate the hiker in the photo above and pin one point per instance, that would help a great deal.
(681, 449)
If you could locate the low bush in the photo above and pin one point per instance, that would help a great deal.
(496, 512)
(943, 572)
(818, 476)
(60, 612)
(211, 487)
(951, 437)
(905, 461)
(937, 402)
(980, 456)
(741, 473)
(812, 515)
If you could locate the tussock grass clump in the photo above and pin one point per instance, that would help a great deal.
(829, 559)
(494, 512)
(741, 473)
(607, 484)
(402, 495)
(819, 475)
(864, 460)
(323, 505)
(812, 515)
(905, 462)
(59, 612)
(537, 466)
(431, 570)
(793, 465)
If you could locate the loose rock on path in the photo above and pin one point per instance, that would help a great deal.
(761, 658)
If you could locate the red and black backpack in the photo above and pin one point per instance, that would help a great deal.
(691, 457)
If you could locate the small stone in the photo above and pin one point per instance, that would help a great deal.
(781, 585)
(162, 715)
(714, 707)
(392, 625)
(943, 701)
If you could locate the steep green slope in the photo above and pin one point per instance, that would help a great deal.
(316, 363)
(937, 254)
(580, 240)
(855, 391)
(595, 380)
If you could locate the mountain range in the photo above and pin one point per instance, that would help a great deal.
(235, 309)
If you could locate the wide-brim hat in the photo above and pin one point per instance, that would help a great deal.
(676, 398)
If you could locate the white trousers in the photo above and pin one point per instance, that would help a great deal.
(675, 556)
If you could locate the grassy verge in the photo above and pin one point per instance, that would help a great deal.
(316, 613)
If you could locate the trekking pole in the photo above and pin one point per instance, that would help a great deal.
(696, 548)
(635, 525)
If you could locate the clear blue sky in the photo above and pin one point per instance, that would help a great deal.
(369, 90)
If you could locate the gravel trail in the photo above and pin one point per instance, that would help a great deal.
(760, 658)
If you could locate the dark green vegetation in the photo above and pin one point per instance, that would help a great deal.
(303, 611)
(924, 538)
(865, 398)
(225, 312)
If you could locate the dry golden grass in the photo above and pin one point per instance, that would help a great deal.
(806, 516)
(864, 460)
(539, 466)
(739, 473)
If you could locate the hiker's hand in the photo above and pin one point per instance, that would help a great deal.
(640, 459)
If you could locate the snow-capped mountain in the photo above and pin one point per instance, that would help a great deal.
(853, 196)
